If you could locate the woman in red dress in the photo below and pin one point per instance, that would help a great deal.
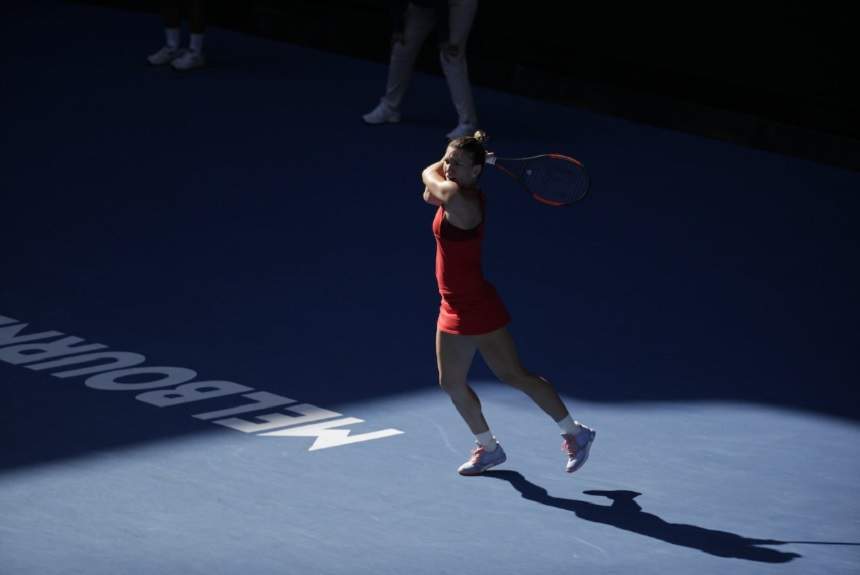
(472, 316)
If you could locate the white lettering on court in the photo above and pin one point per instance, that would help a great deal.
(109, 370)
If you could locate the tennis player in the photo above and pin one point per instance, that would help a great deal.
(472, 316)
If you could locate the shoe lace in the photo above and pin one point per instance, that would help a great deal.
(570, 446)
(476, 454)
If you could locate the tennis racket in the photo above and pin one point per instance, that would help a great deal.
(552, 179)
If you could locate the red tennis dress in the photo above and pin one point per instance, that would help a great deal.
(470, 304)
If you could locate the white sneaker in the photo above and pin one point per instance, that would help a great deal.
(577, 447)
(189, 60)
(461, 131)
(165, 55)
(481, 460)
(382, 114)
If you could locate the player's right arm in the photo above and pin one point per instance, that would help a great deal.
(430, 198)
(437, 190)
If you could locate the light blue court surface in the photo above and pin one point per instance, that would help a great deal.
(241, 226)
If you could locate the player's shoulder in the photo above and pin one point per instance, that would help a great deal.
(465, 207)
(466, 197)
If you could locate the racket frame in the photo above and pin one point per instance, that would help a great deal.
(491, 159)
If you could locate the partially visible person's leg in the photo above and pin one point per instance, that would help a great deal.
(500, 353)
(454, 354)
(197, 17)
(171, 18)
(453, 59)
(419, 22)
(170, 15)
(194, 57)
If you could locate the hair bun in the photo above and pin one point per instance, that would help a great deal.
(481, 136)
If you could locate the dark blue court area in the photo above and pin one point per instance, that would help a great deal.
(217, 316)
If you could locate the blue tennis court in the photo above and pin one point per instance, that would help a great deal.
(217, 311)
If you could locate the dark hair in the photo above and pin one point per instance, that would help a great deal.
(472, 145)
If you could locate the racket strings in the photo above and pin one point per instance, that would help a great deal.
(555, 180)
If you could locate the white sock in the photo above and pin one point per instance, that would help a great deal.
(171, 36)
(487, 440)
(196, 43)
(569, 426)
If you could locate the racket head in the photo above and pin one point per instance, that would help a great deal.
(552, 179)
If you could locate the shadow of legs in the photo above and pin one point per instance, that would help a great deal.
(624, 513)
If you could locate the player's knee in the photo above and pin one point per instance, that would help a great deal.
(452, 386)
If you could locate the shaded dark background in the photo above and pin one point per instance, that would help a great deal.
(776, 79)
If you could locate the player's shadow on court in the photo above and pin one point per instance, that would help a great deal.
(624, 513)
